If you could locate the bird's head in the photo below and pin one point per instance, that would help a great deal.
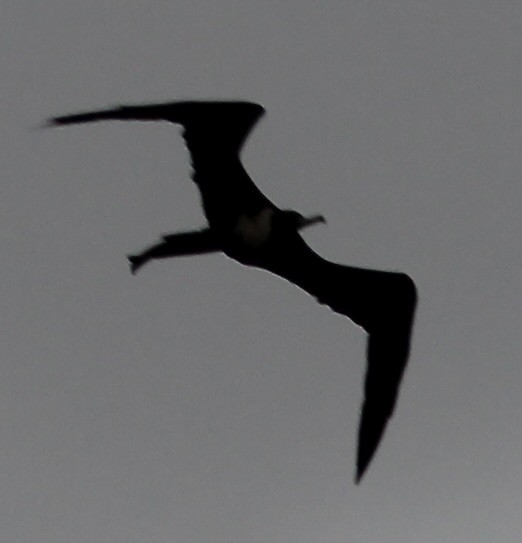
(294, 219)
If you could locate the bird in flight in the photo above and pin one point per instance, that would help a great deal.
(246, 226)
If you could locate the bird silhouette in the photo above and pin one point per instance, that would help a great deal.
(248, 227)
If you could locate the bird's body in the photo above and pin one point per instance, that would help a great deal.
(254, 231)
(248, 227)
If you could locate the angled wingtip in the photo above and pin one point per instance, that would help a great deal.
(116, 113)
(381, 391)
(57, 121)
(175, 112)
(69, 119)
(53, 121)
(48, 123)
(367, 449)
(388, 353)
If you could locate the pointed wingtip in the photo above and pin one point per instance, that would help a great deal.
(48, 123)
(61, 121)
(374, 419)
(362, 465)
(52, 122)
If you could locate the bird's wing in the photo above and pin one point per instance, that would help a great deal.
(214, 133)
(382, 303)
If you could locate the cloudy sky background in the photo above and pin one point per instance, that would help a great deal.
(206, 402)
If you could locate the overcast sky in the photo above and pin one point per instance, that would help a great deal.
(205, 402)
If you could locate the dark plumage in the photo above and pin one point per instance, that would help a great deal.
(246, 226)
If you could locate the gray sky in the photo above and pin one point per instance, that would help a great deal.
(206, 402)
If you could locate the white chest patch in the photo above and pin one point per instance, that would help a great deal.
(254, 231)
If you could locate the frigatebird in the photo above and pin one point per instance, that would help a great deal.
(246, 226)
